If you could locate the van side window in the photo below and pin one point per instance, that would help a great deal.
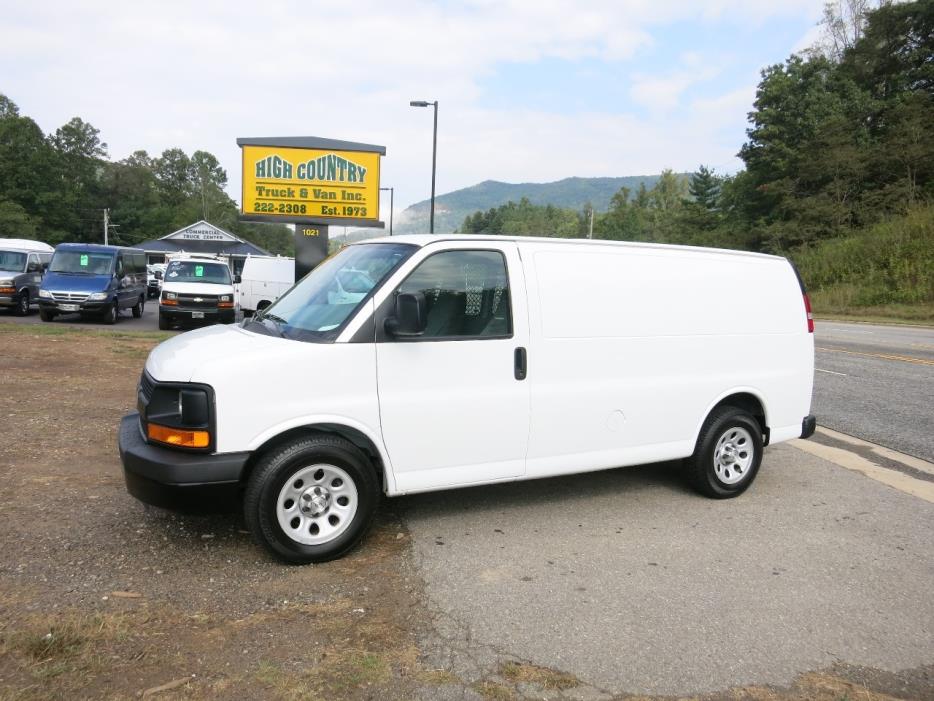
(467, 294)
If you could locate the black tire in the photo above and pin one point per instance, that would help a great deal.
(111, 314)
(164, 324)
(46, 315)
(706, 473)
(279, 466)
(22, 307)
(138, 308)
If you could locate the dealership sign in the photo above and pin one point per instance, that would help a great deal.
(308, 179)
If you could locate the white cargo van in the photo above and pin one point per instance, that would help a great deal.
(422, 363)
(263, 280)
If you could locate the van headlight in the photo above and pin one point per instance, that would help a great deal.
(45, 294)
(169, 295)
(178, 416)
(97, 296)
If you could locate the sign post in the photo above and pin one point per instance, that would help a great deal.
(311, 247)
(310, 182)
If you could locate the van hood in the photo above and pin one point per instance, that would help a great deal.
(66, 282)
(195, 288)
(184, 357)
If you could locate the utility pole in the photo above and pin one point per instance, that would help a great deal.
(590, 234)
(106, 224)
(391, 196)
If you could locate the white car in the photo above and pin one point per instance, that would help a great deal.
(473, 360)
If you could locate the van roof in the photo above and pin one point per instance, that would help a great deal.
(426, 239)
(95, 248)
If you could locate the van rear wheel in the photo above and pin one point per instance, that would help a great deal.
(728, 453)
(311, 499)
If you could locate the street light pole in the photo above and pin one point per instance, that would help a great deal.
(434, 157)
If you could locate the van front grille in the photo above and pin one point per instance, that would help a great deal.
(70, 296)
(197, 301)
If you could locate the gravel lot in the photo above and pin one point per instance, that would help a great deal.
(102, 598)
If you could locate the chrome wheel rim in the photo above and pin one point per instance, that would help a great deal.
(317, 504)
(733, 455)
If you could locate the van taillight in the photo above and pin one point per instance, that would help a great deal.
(807, 308)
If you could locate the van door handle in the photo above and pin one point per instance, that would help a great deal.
(521, 363)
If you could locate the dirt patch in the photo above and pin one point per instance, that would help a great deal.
(103, 598)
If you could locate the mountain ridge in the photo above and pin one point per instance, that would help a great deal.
(573, 192)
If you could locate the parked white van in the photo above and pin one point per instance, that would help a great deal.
(473, 360)
(263, 280)
(197, 289)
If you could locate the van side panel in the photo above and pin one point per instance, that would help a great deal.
(631, 347)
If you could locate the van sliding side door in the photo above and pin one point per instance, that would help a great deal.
(454, 408)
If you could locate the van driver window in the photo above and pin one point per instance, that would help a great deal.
(466, 294)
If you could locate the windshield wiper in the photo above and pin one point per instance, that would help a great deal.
(277, 323)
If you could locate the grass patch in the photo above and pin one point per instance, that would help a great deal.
(437, 677)
(540, 676)
(62, 330)
(66, 644)
(882, 271)
(494, 691)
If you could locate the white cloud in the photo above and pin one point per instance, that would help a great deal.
(198, 75)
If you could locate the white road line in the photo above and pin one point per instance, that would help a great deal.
(831, 372)
(857, 463)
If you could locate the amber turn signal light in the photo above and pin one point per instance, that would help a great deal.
(178, 436)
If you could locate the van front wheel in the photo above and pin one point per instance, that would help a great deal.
(311, 499)
(728, 453)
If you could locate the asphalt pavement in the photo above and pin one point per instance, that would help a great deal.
(635, 584)
(877, 383)
(149, 321)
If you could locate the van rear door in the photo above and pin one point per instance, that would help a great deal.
(454, 406)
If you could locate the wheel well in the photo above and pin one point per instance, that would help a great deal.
(358, 438)
(749, 403)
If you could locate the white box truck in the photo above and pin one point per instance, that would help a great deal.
(263, 280)
(422, 363)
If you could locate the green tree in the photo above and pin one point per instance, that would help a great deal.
(704, 187)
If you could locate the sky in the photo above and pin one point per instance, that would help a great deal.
(528, 90)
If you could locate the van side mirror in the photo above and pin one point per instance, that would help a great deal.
(411, 315)
(237, 279)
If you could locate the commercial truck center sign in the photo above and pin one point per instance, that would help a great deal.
(310, 180)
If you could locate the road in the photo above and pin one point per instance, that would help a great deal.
(876, 382)
(635, 584)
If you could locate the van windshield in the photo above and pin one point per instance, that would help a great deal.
(317, 306)
(13, 261)
(81, 263)
(197, 271)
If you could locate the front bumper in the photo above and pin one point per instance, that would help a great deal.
(7, 300)
(51, 305)
(177, 480)
(185, 314)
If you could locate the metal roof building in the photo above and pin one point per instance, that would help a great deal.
(202, 237)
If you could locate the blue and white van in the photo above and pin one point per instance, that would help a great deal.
(90, 279)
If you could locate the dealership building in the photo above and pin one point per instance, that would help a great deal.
(202, 237)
